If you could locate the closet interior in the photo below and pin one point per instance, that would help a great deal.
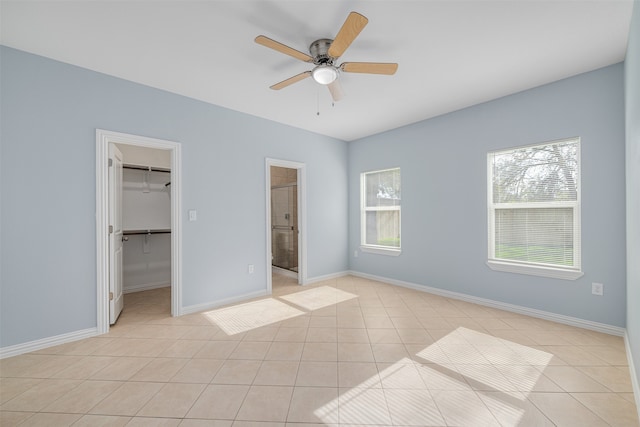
(146, 218)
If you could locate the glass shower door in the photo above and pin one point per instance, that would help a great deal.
(283, 227)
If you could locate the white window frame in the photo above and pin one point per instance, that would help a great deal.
(367, 247)
(522, 267)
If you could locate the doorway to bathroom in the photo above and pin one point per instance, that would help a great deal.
(286, 249)
(284, 221)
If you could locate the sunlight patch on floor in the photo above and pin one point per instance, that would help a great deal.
(244, 317)
(450, 372)
(319, 297)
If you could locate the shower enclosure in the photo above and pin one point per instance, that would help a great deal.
(284, 226)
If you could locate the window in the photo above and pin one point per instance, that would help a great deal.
(380, 209)
(534, 209)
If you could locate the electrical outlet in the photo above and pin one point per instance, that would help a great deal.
(597, 288)
(250, 269)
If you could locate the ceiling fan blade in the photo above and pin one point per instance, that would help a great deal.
(335, 88)
(347, 34)
(282, 48)
(291, 80)
(369, 67)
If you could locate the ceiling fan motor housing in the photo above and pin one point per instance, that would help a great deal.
(319, 51)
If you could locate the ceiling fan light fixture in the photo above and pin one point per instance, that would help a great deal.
(324, 74)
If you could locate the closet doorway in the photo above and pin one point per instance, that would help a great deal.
(286, 219)
(146, 220)
(139, 192)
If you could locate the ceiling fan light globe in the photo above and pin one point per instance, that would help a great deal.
(324, 74)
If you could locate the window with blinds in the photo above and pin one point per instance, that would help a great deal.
(534, 209)
(380, 211)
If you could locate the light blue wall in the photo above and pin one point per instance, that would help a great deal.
(50, 112)
(444, 191)
(632, 99)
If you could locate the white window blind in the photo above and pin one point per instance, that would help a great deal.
(534, 208)
(380, 209)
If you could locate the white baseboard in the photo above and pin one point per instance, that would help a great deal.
(145, 287)
(15, 350)
(633, 372)
(215, 304)
(331, 276)
(559, 318)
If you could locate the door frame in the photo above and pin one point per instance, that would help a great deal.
(103, 139)
(302, 217)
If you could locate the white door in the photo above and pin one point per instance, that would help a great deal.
(116, 299)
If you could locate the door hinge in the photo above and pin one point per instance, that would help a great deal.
(110, 229)
(110, 162)
(110, 296)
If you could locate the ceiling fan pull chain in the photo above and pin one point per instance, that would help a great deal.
(318, 102)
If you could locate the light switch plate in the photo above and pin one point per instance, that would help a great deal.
(193, 215)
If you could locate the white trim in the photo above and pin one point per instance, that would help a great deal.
(553, 317)
(380, 250)
(145, 287)
(102, 235)
(633, 372)
(15, 350)
(103, 139)
(302, 218)
(534, 270)
(196, 308)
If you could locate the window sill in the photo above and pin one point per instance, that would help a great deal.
(535, 270)
(380, 250)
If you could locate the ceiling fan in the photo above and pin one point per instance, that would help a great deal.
(324, 54)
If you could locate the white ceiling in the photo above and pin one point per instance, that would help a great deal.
(451, 54)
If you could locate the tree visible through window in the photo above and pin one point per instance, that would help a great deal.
(534, 205)
(381, 209)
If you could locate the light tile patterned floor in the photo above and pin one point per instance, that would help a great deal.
(345, 352)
